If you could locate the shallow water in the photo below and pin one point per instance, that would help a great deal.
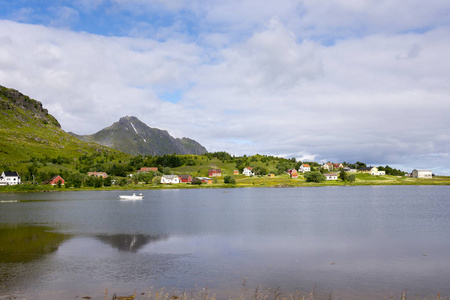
(349, 241)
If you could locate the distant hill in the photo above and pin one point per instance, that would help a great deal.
(134, 137)
(27, 130)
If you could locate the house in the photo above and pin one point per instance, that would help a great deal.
(271, 175)
(292, 172)
(56, 179)
(331, 176)
(9, 178)
(304, 168)
(148, 169)
(235, 172)
(372, 171)
(379, 173)
(337, 166)
(328, 166)
(185, 178)
(248, 171)
(422, 173)
(366, 170)
(170, 179)
(98, 174)
(215, 172)
(348, 169)
(205, 180)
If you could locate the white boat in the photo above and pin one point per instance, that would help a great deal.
(131, 197)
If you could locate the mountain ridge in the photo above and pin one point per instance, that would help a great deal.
(132, 136)
(28, 131)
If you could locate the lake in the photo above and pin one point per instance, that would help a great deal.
(354, 242)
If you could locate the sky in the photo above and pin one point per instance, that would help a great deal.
(318, 80)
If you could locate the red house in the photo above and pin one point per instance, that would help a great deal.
(56, 179)
(293, 173)
(215, 172)
(185, 178)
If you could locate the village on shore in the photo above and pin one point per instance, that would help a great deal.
(326, 172)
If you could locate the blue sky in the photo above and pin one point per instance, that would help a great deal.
(323, 80)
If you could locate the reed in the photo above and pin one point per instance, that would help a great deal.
(258, 294)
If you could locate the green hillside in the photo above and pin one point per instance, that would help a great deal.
(28, 133)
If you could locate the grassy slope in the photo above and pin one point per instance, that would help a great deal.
(23, 136)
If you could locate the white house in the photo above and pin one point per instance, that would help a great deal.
(422, 173)
(304, 168)
(350, 170)
(248, 171)
(9, 178)
(328, 166)
(379, 173)
(170, 179)
(331, 176)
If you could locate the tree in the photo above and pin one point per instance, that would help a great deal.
(76, 179)
(196, 181)
(89, 181)
(107, 181)
(259, 170)
(229, 179)
(98, 182)
(351, 177)
(315, 177)
(122, 181)
(343, 175)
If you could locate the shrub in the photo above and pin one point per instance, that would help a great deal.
(196, 181)
(351, 177)
(315, 177)
(229, 179)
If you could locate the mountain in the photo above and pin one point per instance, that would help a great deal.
(134, 137)
(28, 131)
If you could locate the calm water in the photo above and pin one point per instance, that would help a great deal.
(351, 241)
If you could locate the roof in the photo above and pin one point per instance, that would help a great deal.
(11, 174)
(148, 169)
(184, 176)
(249, 168)
(170, 176)
(215, 170)
(306, 165)
(422, 170)
(330, 174)
(56, 177)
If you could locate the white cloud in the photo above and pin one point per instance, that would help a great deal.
(88, 80)
(377, 93)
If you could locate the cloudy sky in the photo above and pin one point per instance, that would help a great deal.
(323, 80)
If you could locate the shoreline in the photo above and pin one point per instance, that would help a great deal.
(251, 183)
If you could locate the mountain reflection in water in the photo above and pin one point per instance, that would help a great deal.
(129, 242)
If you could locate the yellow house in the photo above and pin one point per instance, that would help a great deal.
(368, 170)
(271, 175)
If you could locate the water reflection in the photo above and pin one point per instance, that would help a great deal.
(129, 242)
(21, 243)
(20, 247)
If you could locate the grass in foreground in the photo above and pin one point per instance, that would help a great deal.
(260, 294)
